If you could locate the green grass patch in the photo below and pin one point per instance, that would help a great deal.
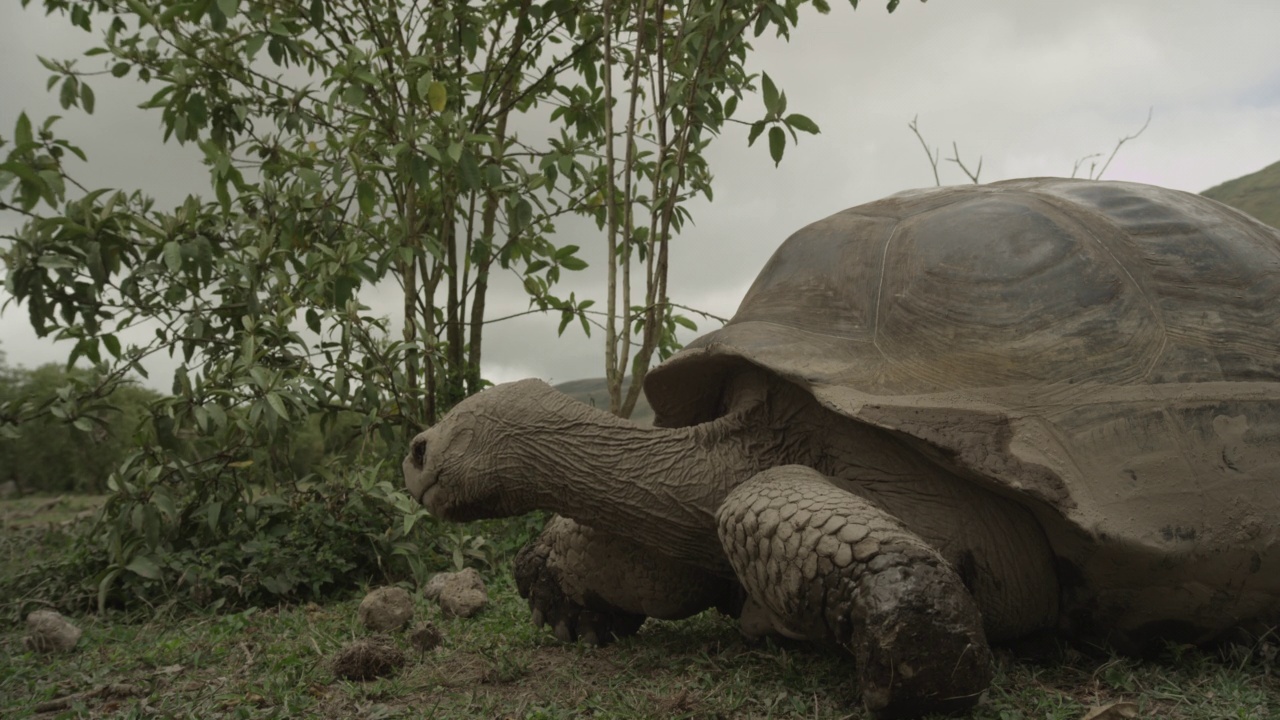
(43, 510)
(276, 663)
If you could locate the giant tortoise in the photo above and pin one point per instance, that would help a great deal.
(949, 417)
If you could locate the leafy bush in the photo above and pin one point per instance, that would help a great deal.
(52, 440)
(217, 545)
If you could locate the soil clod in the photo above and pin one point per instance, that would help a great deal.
(367, 659)
(425, 637)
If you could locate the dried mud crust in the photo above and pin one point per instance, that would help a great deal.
(830, 566)
(539, 584)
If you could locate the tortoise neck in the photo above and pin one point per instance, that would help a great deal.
(659, 487)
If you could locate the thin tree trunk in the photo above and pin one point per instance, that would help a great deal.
(490, 215)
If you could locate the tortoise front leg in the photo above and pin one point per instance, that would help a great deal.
(825, 564)
(594, 586)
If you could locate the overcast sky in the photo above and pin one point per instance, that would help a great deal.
(1028, 85)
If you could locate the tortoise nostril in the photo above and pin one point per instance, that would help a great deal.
(418, 452)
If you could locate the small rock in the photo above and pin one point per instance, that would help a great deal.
(386, 608)
(459, 594)
(425, 637)
(49, 631)
(367, 659)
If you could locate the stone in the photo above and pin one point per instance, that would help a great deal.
(49, 632)
(459, 594)
(386, 608)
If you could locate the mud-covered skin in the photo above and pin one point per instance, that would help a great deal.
(828, 565)
(595, 587)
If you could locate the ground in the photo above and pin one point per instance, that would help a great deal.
(276, 663)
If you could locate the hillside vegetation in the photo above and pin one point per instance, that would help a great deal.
(1256, 193)
(595, 392)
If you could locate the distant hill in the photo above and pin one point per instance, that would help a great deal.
(1257, 194)
(595, 393)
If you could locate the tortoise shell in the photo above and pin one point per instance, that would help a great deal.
(1108, 353)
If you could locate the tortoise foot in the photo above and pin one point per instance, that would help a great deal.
(919, 643)
(541, 583)
(823, 564)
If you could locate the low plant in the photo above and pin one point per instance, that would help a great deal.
(213, 542)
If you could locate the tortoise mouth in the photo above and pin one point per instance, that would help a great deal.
(451, 507)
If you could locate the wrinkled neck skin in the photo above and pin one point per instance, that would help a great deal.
(528, 447)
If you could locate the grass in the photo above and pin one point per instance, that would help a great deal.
(41, 510)
(1257, 193)
(275, 662)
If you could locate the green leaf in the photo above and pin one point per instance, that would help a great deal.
(431, 151)
(342, 289)
(756, 128)
(229, 7)
(104, 587)
(573, 263)
(365, 197)
(771, 96)
(70, 92)
(277, 404)
(420, 171)
(437, 96)
(469, 171)
(523, 214)
(893, 5)
(260, 377)
(160, 496)
(313, 320)
(144, 566)
(173, 256)
(684, 322)
(409, 521)
(22, 131)
(83, 424)
(799, 122)
(120, 69)
(140, 9)
(777, 143)
(353, 95)
(25, 174)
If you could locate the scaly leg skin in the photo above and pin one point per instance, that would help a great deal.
(824, 564)
(597, 587)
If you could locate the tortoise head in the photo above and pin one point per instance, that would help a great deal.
(489, 456)
(470, 464)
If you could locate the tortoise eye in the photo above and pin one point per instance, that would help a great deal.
(418, 452)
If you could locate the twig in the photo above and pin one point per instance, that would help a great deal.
(933, 156)
(119, 690)
(1122, 141)
(1076, 167)
(955, 149)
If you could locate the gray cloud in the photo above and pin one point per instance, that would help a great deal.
(1029, 86)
